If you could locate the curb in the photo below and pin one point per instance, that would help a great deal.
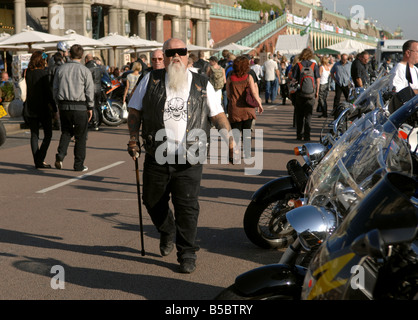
(14, 124)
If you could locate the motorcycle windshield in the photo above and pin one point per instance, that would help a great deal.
(346, 173)
(372, 98)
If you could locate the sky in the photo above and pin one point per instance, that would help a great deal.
(389, 13)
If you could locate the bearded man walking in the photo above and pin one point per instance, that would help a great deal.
(170, 104)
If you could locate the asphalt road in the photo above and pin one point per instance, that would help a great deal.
(70, 235)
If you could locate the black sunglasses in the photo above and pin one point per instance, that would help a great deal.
(172, 52)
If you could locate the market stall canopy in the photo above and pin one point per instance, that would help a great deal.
(350, 46)
(116, 41)
(27, 37)
(75, 38)
(144, 43)
(327, 51)
(4, 35)
(292, 44)
(234, 47)
(192, 47)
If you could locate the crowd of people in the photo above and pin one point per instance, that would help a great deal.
(64, 92)
(170, 99)
(179, 92)
(279, 77)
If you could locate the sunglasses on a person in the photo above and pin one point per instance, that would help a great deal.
(172, 52)
(157, 59)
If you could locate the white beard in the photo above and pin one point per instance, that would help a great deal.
(177, 76)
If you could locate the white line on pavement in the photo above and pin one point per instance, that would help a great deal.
(79, 177)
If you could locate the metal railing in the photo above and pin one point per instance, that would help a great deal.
(259, 35)
(262, 33)
(223, 11)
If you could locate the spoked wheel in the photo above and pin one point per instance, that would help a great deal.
(266, 224)
(112, 113)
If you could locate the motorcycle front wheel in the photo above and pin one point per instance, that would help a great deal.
(231, 293)
(266, 226)
(2, 133)
(112, 113)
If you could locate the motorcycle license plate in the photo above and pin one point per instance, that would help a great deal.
(2, 111)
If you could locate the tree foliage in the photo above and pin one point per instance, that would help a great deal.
(256, 5)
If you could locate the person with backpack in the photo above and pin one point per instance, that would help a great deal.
(216, 75)
(306, 73)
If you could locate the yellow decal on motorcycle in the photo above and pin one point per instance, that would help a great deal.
(328, 272)
(2, 111)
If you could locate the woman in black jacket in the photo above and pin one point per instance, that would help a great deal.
(39, 107)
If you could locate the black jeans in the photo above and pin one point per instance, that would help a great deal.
(338, 91)
(182, 182)
(73, 123)
(322, 99)
(39, 153)
(303, 116)
(95, 119)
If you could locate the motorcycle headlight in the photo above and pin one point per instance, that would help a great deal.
(312, 153)
(312, 224)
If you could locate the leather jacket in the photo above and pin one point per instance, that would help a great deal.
(153, 109)
(97, 72)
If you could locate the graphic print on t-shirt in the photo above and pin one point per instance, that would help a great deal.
(175, 109)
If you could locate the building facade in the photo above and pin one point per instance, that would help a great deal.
(157, 20)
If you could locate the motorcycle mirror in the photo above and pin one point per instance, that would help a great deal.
(370, 243)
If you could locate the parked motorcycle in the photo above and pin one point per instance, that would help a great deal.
(343, 179)
(112, 112)
(265, 222)
(372, 254)
(2, 128)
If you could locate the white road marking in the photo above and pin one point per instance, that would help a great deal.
(79, 177)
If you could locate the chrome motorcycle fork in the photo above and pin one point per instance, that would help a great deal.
(291, 254)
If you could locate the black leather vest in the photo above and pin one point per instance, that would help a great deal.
(153, 109)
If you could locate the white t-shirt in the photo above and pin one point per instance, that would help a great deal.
(270, 67)
(175, 110)
(258, 71)
(399, 81)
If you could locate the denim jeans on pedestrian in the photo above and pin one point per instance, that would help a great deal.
(269, 90)
(182, 182)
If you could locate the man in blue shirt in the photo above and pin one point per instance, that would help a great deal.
(341, 73)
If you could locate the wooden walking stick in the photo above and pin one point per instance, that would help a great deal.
(139, 206)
